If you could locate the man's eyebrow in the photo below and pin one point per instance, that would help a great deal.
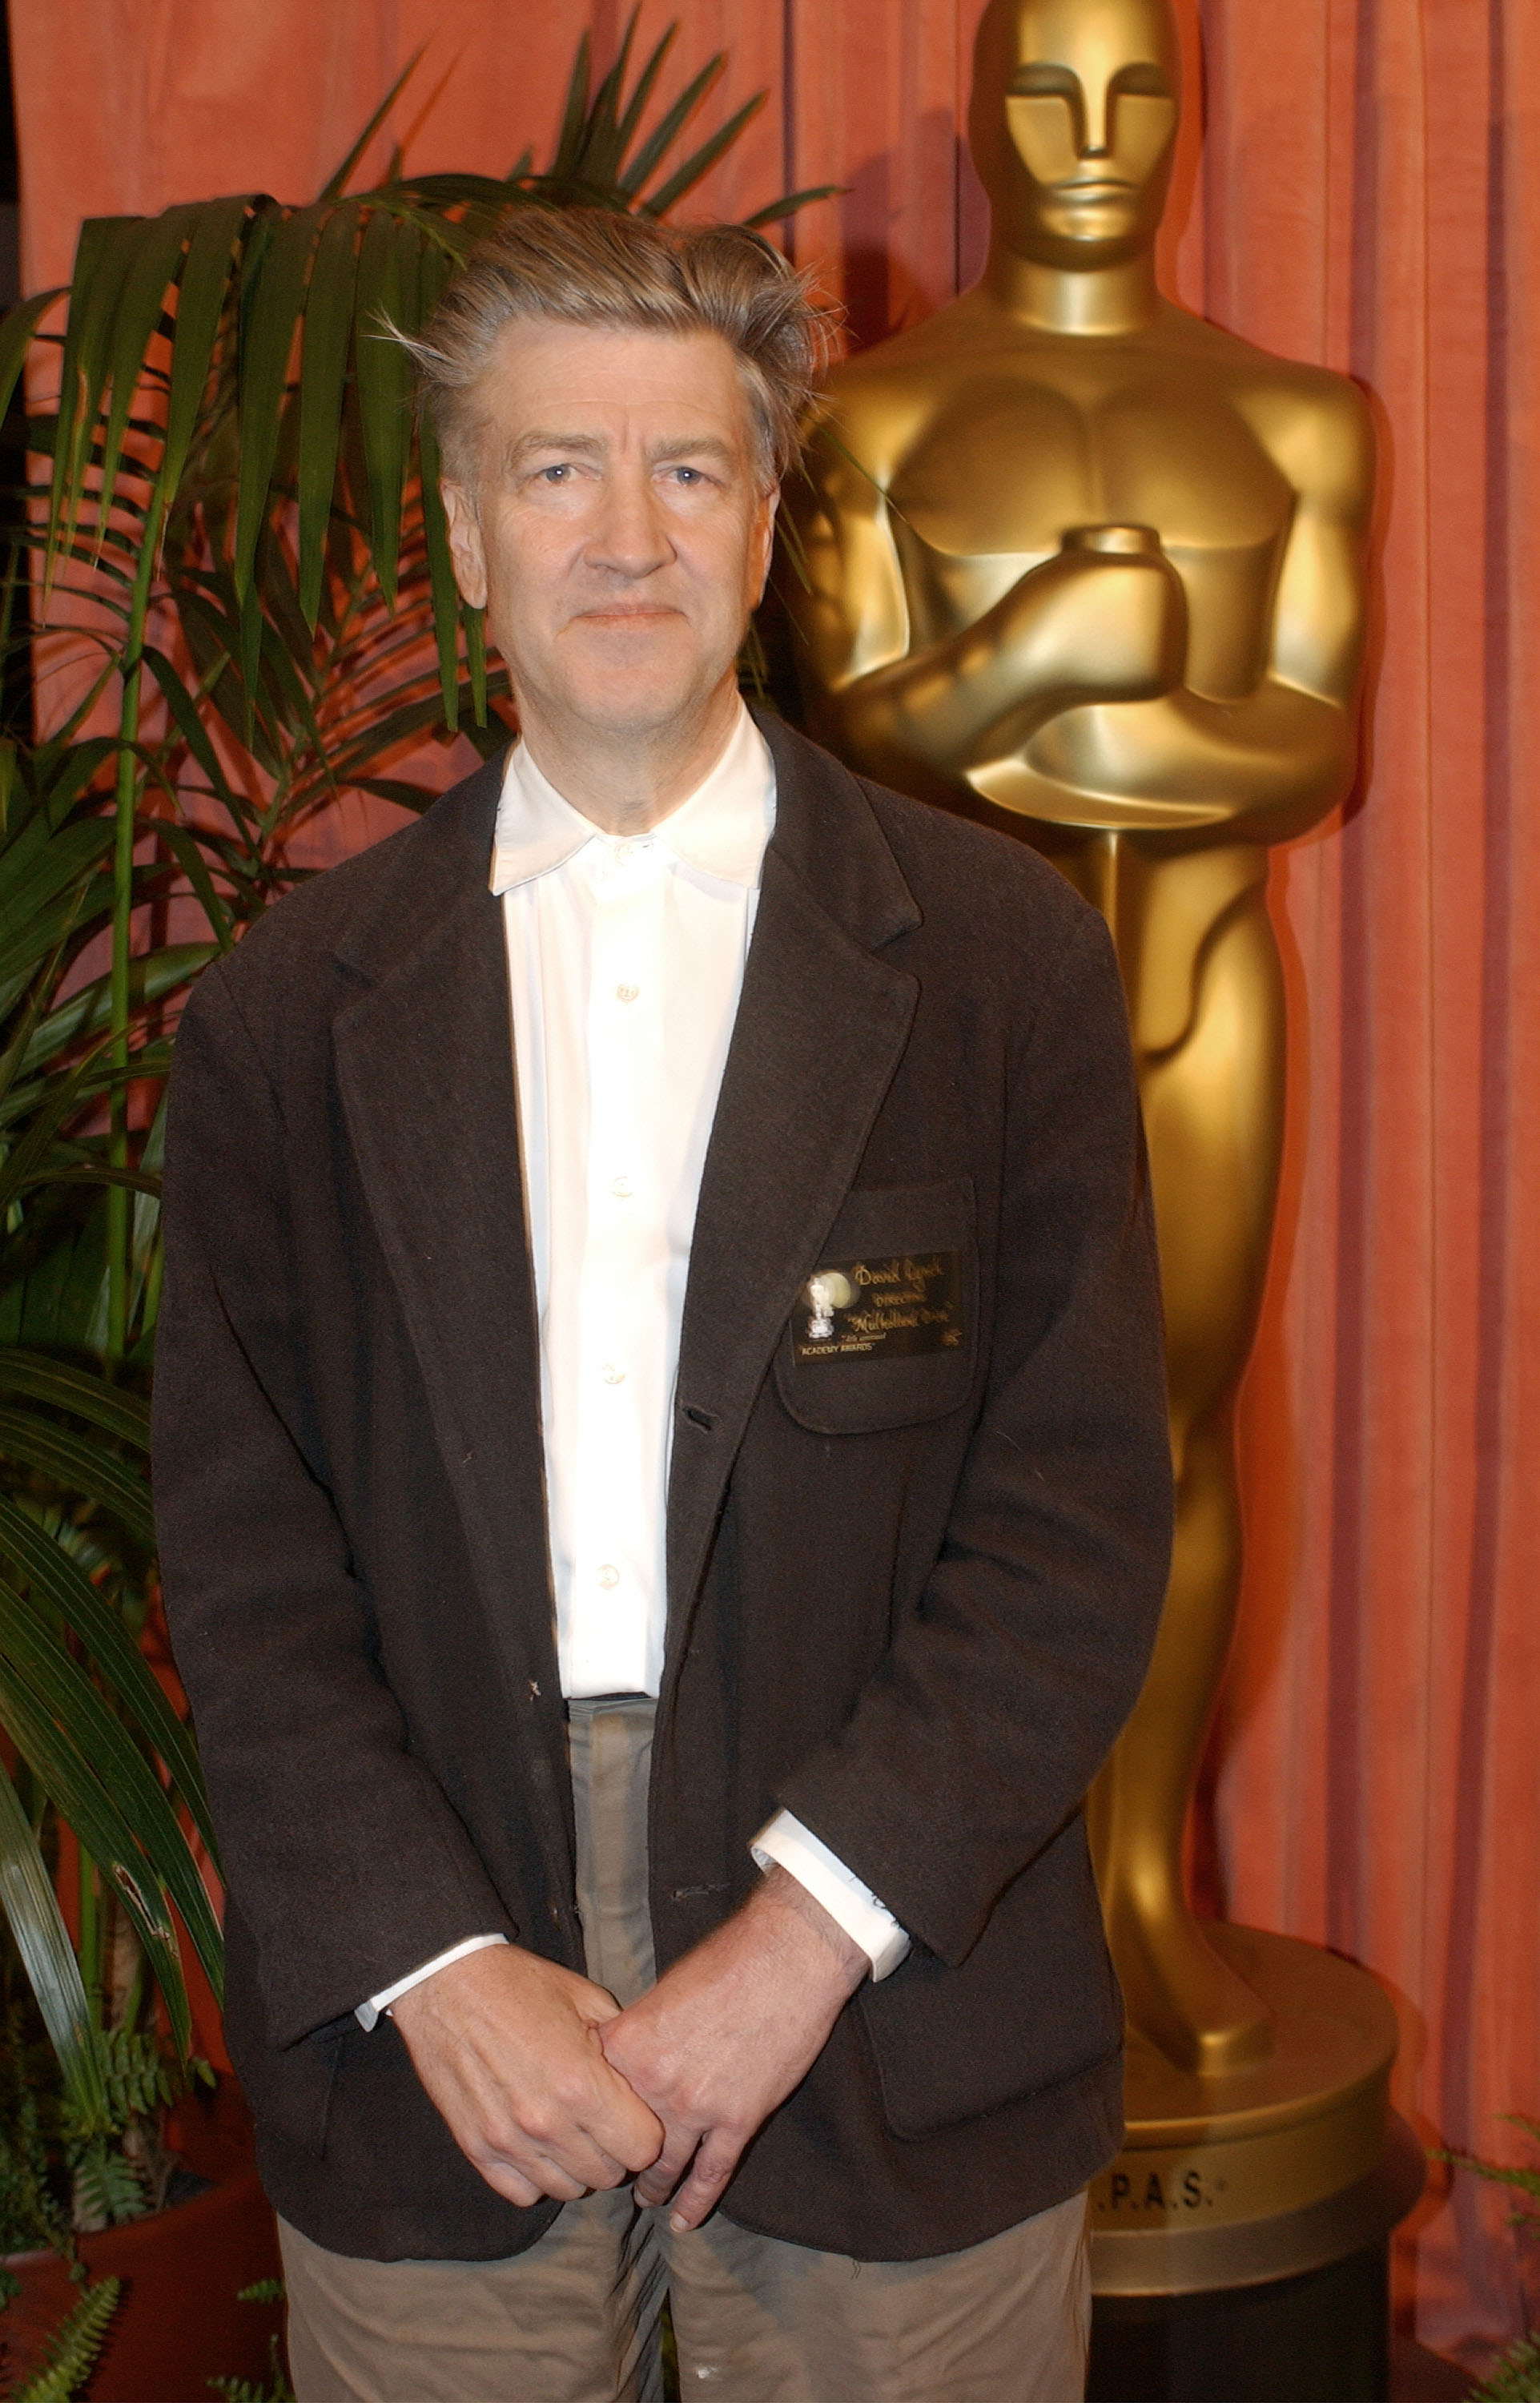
(541, 439)
(592, 446)
(693, 446)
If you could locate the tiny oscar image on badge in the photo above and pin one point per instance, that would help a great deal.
(826, 1293)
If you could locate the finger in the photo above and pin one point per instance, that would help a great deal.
(628, 2129)
(537, 2161)
(579, 2157)
(510, 2183)
(657, 2183)
(550, 2176)
(714, 2164)
(605, 2170)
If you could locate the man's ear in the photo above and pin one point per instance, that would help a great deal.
(465, 545)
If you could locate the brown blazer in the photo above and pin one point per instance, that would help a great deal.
(910, 1597)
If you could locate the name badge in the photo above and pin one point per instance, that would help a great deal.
(891, 1307)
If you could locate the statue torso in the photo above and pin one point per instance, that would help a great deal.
(991, 441)
(993, 449)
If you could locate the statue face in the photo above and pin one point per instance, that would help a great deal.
(1073, 124)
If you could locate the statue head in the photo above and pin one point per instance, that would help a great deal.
(1073, 125)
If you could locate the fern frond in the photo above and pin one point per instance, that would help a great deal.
(74, 2346)
(1516, 2377)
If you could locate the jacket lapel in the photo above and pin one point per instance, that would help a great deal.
(426, 1067)
(821, 1028)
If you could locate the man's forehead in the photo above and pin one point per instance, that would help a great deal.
(533, 360)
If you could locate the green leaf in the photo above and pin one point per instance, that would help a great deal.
(80, 1463)
(273, 305)
(113, 1652)
(17, 328)
(395, 788)
(575, 111)
(600, 151)
(146, 1261)
(101, 259)
(323, 377)
(701, 162)
(214, 641)
(153, 259)
(337, 184)
(108, 1407)
(62, 1098)
(188, 854)
(74, 2346)
(94, 1172)
(670, 125)
(54, 1683)
(631, 116)
(32, 1907)
(386, 296)
(39, 874)
(151, 976)
(777, 212)
(104, 1830)
(202, 295)
(188, 724)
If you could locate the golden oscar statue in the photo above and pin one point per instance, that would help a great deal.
(1077, 562)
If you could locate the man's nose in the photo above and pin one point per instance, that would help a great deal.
(628, 534)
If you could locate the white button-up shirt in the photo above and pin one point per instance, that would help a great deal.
(625, 962)
(626, 958)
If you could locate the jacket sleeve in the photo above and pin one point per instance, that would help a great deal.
(347, 1861)
(1000, 1694)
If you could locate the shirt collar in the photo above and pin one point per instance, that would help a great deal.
(720, 829)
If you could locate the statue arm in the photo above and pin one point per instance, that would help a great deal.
(1277, 760)
(921, 715)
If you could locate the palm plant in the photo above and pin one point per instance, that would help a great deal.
(238, 530)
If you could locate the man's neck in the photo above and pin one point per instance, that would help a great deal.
(628, 781)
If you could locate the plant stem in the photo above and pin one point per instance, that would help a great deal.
(119, 1217)
(89, 1946)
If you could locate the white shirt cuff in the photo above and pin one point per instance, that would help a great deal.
(367, 2013)
(843, 1895)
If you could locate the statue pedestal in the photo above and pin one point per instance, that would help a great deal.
(1241, 2241)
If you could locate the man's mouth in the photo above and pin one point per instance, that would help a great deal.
(622, 615)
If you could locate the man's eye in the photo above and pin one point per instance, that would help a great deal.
(558, 474)
(687, 475)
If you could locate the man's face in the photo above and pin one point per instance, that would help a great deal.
(1073, 124)
(618, 532)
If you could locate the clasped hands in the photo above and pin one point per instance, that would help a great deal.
(549, 2088)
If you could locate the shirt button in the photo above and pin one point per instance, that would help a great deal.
(622, 1189)
(609, 1576)
(612, 1375)
(626, 991)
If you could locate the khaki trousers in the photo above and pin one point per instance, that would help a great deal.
(576, 2318)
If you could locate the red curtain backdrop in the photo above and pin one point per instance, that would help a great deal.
(1367, 194)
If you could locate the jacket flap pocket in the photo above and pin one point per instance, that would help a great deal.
(1035, 2005)
(884, 1329)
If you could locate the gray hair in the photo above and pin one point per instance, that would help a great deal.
(601, 268)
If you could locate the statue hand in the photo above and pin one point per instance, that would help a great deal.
(1103, 625)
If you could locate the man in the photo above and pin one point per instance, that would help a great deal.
(663, 1472)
